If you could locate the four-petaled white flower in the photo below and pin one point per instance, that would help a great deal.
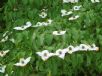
(64, 12)
(93, 47)
(2, 68)
(45, 54)
(76, 8)
(60, 53)
(74, 17)
(70, 49)
(94, 1)
(48, 22)
(23, 62)
(28, 24)
(3, 53)
(43, 14)
(59, 32)
(83, 47)
(72, 1)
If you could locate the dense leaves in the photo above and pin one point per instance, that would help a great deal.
(87, 29)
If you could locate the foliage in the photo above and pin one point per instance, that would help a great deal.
(18, 12)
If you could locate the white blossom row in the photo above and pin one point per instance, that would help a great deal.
(45, 54)
(76, 1)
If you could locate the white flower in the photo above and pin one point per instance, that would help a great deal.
(59, 32)
(3, 53)
(60, 53)
(23, 62)
(93, 47)
(28, 24)
(70, 49)
(38, 24)
(74, 1)
(44, 23)
(49, 21)
(64, 12)
(18, 28)
(75, 8)
(66, 1)
(74, 17)
(45, 55)
(83, 47)
(4, 39)
(2, 68)
(43, 15)
(94, 1)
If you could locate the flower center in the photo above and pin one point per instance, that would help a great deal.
(2, 52)
(45, 54)
(22, 62)
(83, 47)
(60, 52)
(70, 48)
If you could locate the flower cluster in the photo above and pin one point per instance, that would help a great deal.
(66, 13)
(28, 24)
(48, 22)
(45, 54)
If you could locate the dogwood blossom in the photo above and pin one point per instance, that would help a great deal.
(3, 53)
(47, 23)
(94, 1)
(28, 24)
(76, 8)
(83, 47)
(60, 53)
(74, 17)
(23, 62)
(2, 68)
(59, 32)
(64, 12)
(72, 1)
(45, 54)
(93, 47)
(43, 15)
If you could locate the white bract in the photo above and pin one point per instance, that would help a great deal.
(72, 1)
(47, 23)
(45, 55)
(94, 1)
(93, 47)
(64, 12)
(74, 17)
(70, 49)
(76, 8)
(2, 68)
(43, 14)
(83, 47)
(28, 24)
(60, 53)
(59, 32)
(23, 62)
(3, 53)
